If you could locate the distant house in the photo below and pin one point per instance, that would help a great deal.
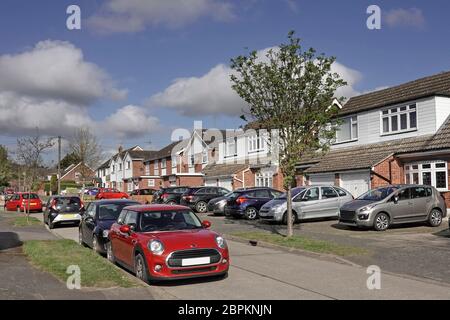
(80, 173)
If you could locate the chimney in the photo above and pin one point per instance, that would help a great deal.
(120, 149)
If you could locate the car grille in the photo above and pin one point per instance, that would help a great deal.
(176, 257)
(194, 270)
(347, 215)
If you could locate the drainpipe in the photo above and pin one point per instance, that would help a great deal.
(243, 176)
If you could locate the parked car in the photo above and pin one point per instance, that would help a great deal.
(197, 198)
(307, 202)
(7, 197)
(217, 205)
(246, 203)
(170, 195)
(161, 242)
(91, 191)
(109, 193)
(96, 221)
(144, 196)
(24, 200)
(382, 207)
(61, 210)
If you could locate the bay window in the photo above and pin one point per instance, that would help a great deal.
(432, 173)
(400, 119)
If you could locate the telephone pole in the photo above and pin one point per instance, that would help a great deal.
(59, 164)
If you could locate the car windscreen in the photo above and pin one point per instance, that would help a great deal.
(377, 194)
(68, 204)
(111, 211)
(294, 192)
(169, 220)
(32, 196)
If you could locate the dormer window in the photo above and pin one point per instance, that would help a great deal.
(348, 130)
(399, 119)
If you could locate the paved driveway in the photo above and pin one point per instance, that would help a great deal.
(263, 273)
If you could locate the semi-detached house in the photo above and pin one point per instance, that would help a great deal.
(392, 136)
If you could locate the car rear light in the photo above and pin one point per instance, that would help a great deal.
(241, 200)
(53, 204)
(188, 198)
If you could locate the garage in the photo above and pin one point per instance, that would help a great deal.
(322, 179)
(355, 182)
(211, 182)
(226, 183)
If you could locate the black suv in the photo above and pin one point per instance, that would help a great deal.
(197, 198)
(170, 195)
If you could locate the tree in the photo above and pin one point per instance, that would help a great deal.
(29, 154)
(69, 159)
(54, 184)
(85, 147)
(5, 167)
(290, 91)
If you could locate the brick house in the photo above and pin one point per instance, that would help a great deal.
(392, 136)
(80, 173)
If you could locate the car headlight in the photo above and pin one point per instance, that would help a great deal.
(366, 208)
(156, 247)
(105, 233)
(221, 243)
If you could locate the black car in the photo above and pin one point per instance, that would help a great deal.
(61, 210)
(246, 203)
(170, 195)
(197, 198)
(97, 219)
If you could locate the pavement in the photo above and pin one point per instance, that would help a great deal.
(271, 273)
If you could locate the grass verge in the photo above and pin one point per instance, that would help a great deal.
(22, 221)
(303, 243)
(55, 256)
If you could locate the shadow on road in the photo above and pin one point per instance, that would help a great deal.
(9, 240)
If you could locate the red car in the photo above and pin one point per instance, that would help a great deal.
(166, 242)
(19, 201)
(107, 193)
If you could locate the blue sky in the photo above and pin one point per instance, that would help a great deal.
(142, 47)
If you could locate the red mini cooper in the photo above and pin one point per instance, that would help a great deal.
(166, 242)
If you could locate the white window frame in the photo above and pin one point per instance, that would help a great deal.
(264, 179)
(130, 186)
(228, 143)
(256, 143)
(156, 168)
(417, 168)
(151, 182)
(128, 165)
(147, 169)
(174, 161)
(205, 156)
(388, 113)
(163, 163)
(354, 135)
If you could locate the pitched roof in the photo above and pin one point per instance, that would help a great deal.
(167, 151)
(438, 84)
(366, 156)
(144, 154)
(104, 165)
(217, 170)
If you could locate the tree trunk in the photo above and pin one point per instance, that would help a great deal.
(290, 222)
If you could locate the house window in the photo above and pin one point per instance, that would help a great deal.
(231, 147)
(151, 182)
(205, 156)
(156, 168)
(147, 169)
(264, 179)
(348, 130)
(174, 161)
(120, 167)
(113, 168)
(191, 160)
(163, 163)
(401, 119)
(255, 143)
(130, 186)
(128, 165)
(432, 173)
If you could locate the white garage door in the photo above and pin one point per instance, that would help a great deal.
(322, 179)
(211, 183)
(226, 183)
(356, 182)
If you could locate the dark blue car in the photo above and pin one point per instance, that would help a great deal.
(246, 203)
(96, 221)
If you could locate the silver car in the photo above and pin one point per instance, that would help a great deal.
(307, 202)
(382, 207)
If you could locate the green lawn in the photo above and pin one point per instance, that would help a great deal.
(22, 221)
(304, 243)
(55, 256)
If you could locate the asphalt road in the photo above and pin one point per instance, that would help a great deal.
(264, 273)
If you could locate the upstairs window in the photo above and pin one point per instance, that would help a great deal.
(231, 147)
(348, 130)
(174, 161)
(156, 168)
(191, 160)
(147, 169)
(400, 119)
(255, 143)
(163, 163)
(205, 156)
(128, 165)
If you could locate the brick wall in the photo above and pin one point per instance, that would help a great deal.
(390, 171)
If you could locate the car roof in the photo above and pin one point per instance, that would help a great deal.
(111, 201)
(157, 207)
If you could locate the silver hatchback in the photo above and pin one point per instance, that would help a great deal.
(307, 203)
(382, 207)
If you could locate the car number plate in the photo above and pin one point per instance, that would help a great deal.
(195, 261)
(69, 216)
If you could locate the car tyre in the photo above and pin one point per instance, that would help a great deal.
(50, 224)
(110, 253)
(251, 213)
(80, 238)
(95, 245)
(381, 222)
(140, 268)
(201, 207)
(435, 218)
(294, 218)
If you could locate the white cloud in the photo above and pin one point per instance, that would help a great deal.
(212, 94)
(130, 122)
(56, 70)
(412, 17)
(137, 15)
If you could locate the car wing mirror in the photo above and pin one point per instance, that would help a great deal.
(206, 224)
(125, 229)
